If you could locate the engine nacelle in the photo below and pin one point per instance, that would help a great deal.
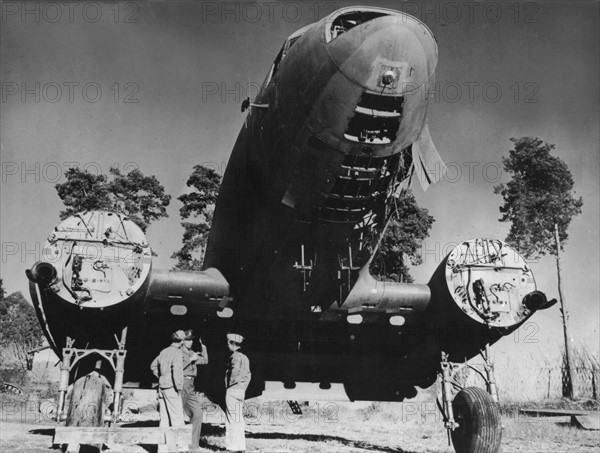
(488, 282)
(94, 259)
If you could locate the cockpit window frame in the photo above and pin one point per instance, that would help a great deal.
(289, 43)
(376, 12)
(276, 63)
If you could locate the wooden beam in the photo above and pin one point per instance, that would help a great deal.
(558, 412)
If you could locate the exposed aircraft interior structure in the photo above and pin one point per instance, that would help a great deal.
(335, 136)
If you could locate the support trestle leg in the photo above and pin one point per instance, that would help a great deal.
(71, 356)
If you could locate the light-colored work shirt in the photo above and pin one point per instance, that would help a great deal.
(168, 368)
(237, 376)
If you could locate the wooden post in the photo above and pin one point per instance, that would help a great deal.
(563, 308)
(87, 401)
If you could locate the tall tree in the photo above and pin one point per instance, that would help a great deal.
(198, 205)
(539, 203)
(402, 239)
(20, 330)
(141, 198)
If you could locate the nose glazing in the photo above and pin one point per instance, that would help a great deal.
(387, 54)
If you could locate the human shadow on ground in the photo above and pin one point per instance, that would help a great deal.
(140, 424)
(327, 438)
(42, 431)
(216, 430)
(208, 429)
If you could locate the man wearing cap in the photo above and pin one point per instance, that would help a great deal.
(168, 368)
(192, 400)
(237, 378)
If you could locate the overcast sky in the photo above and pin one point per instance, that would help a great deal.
(158, 86)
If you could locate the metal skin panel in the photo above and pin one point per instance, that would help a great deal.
(336, 130)
(276, 178)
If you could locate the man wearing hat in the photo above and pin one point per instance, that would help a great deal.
(192, 400)
(237, 378)
(168, 368)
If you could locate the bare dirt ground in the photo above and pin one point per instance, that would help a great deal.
(323, 427)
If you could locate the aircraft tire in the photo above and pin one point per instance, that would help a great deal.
(88, 401)
(480, 428)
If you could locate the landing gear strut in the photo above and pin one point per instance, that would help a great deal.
(471, 415)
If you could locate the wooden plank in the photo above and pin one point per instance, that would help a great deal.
(171, 441)
(589, 422)
(546, 419)
(551, 412)
(95, 435)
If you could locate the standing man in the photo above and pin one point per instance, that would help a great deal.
(237, 378)
(192, 400)
(168, 368)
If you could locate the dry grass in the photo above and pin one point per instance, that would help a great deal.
(353, 427)
(540, 379)
(556, 434)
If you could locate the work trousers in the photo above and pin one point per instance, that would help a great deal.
(235, 439)
(192, 405)
(170, 407)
